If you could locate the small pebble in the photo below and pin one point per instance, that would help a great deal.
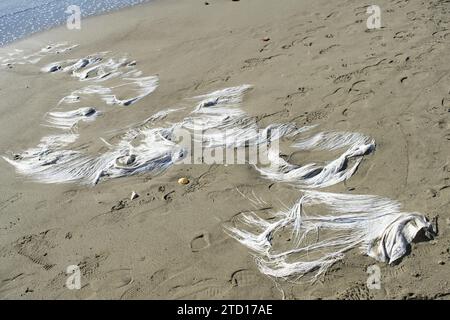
(134, 195)
(265, 39)
(183, 181)
(441, 262)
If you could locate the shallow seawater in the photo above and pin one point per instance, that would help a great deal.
(19, 18)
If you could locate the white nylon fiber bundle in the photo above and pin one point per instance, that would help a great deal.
(316, 176)
(69, 119)
(323, 226)
(52, 162)
(100, 69)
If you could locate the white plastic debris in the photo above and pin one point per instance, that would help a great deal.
(317, 176)
(134, 195)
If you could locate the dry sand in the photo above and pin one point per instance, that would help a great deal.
(320, 66)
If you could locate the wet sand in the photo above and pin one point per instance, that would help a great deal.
(309, 62)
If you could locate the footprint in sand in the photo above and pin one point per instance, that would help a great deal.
(411, 15)
(403, 35)
(203, 289)
(212, 292)
(255, 62)
(357, 292)
(14, 285)
(36, 248)
(394, 271)
(89, 267)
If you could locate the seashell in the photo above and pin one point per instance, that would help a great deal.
(183, 181)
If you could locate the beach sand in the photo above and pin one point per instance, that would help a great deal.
(310, 62)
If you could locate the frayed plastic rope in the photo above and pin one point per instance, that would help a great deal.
(326, 225)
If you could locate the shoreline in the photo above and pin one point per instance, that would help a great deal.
(30, 36)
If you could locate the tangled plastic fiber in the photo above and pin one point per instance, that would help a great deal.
(323, 225)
